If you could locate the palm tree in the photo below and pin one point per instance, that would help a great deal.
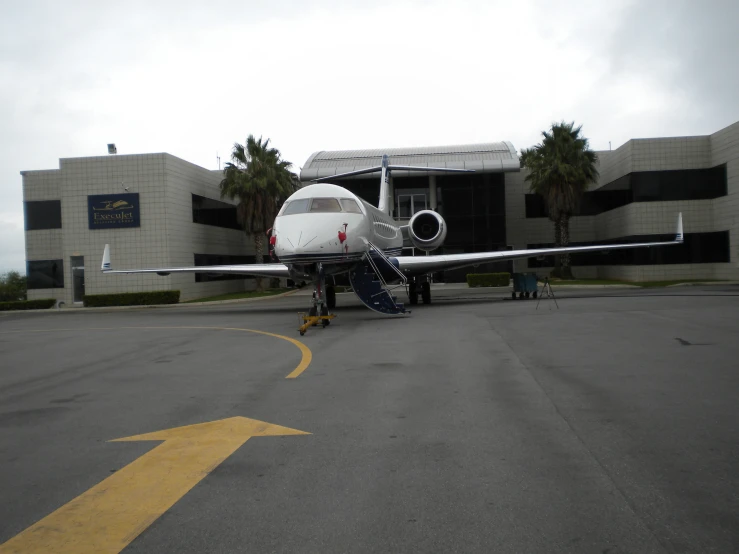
(261, 180)
(561, 168)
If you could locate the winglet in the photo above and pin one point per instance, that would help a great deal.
(679, 234)
(106, 259)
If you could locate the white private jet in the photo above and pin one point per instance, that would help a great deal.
(324, 229)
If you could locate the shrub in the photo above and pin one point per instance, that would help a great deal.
(488, 279)
(40, 304)
(132, 298)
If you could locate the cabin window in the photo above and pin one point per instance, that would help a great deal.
(350, 205)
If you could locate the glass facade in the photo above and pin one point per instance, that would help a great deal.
(45, 274)
(645, 186)
(44, 214)
(474, 208)
(698, 248)
(221, 259)
(473, 205)
(214, 212)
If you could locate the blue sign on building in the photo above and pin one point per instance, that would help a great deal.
(113, 211)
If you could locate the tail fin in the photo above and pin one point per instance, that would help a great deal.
(385, 202)
(106, 259)
(679, 234)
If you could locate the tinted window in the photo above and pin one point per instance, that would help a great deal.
(214, 212)
(350, 205)
(45, 274)
(296, 207)
(698, 248)
(645, 186)
(45, 214)
(325, 205)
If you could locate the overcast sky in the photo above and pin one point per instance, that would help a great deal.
(191, 78)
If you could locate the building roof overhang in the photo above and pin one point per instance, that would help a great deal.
(492, 157)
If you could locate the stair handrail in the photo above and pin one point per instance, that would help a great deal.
(402, 276)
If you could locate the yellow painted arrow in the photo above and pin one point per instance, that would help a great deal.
(111, 514)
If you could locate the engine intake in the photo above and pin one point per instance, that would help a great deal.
(427, 230)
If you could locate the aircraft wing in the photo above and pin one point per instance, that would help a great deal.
(418, 265)
(255, 270)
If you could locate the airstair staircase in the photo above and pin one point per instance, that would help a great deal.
(369, 281)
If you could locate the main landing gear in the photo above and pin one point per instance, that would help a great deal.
(413, 291)
(324, 299)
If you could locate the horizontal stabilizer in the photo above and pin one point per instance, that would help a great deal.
(389, 168)
(418, 168)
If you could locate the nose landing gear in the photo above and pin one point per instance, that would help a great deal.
(322, 301)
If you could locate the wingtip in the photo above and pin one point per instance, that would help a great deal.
(679, 237)
(106, 259)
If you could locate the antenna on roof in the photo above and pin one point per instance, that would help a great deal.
(219, 161)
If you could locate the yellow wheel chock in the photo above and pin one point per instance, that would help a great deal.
(311, 320)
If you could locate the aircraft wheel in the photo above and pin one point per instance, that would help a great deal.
(426, 292)
(527, 294)
(313, 311)
(331, 297)
(536, 293)
(513, 295)
(413, 293)
(324, 311)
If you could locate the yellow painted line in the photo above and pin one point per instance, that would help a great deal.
(305, 360)
(110, 515)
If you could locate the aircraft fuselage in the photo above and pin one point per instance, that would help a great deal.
(330, 225)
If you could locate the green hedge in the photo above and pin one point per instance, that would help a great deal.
(132, 299)
(488, 279)
(40, 304)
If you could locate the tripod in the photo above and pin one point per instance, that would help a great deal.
(547, 288)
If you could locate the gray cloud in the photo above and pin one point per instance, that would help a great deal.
(191, 78)
(690, 47)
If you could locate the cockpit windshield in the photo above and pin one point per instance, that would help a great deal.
(320, 205)
(325, 205)
(295, 207)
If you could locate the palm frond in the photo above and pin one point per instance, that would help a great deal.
(561, 168)
(261, 180)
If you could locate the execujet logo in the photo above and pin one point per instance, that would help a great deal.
(113, 211)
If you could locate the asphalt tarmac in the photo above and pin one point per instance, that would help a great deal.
(476, 424)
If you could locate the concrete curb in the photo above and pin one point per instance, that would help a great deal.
(234, 301)
(82, 309)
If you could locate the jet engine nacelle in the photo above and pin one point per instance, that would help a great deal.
(427, 230)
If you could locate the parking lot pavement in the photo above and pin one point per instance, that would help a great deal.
(476, 424)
